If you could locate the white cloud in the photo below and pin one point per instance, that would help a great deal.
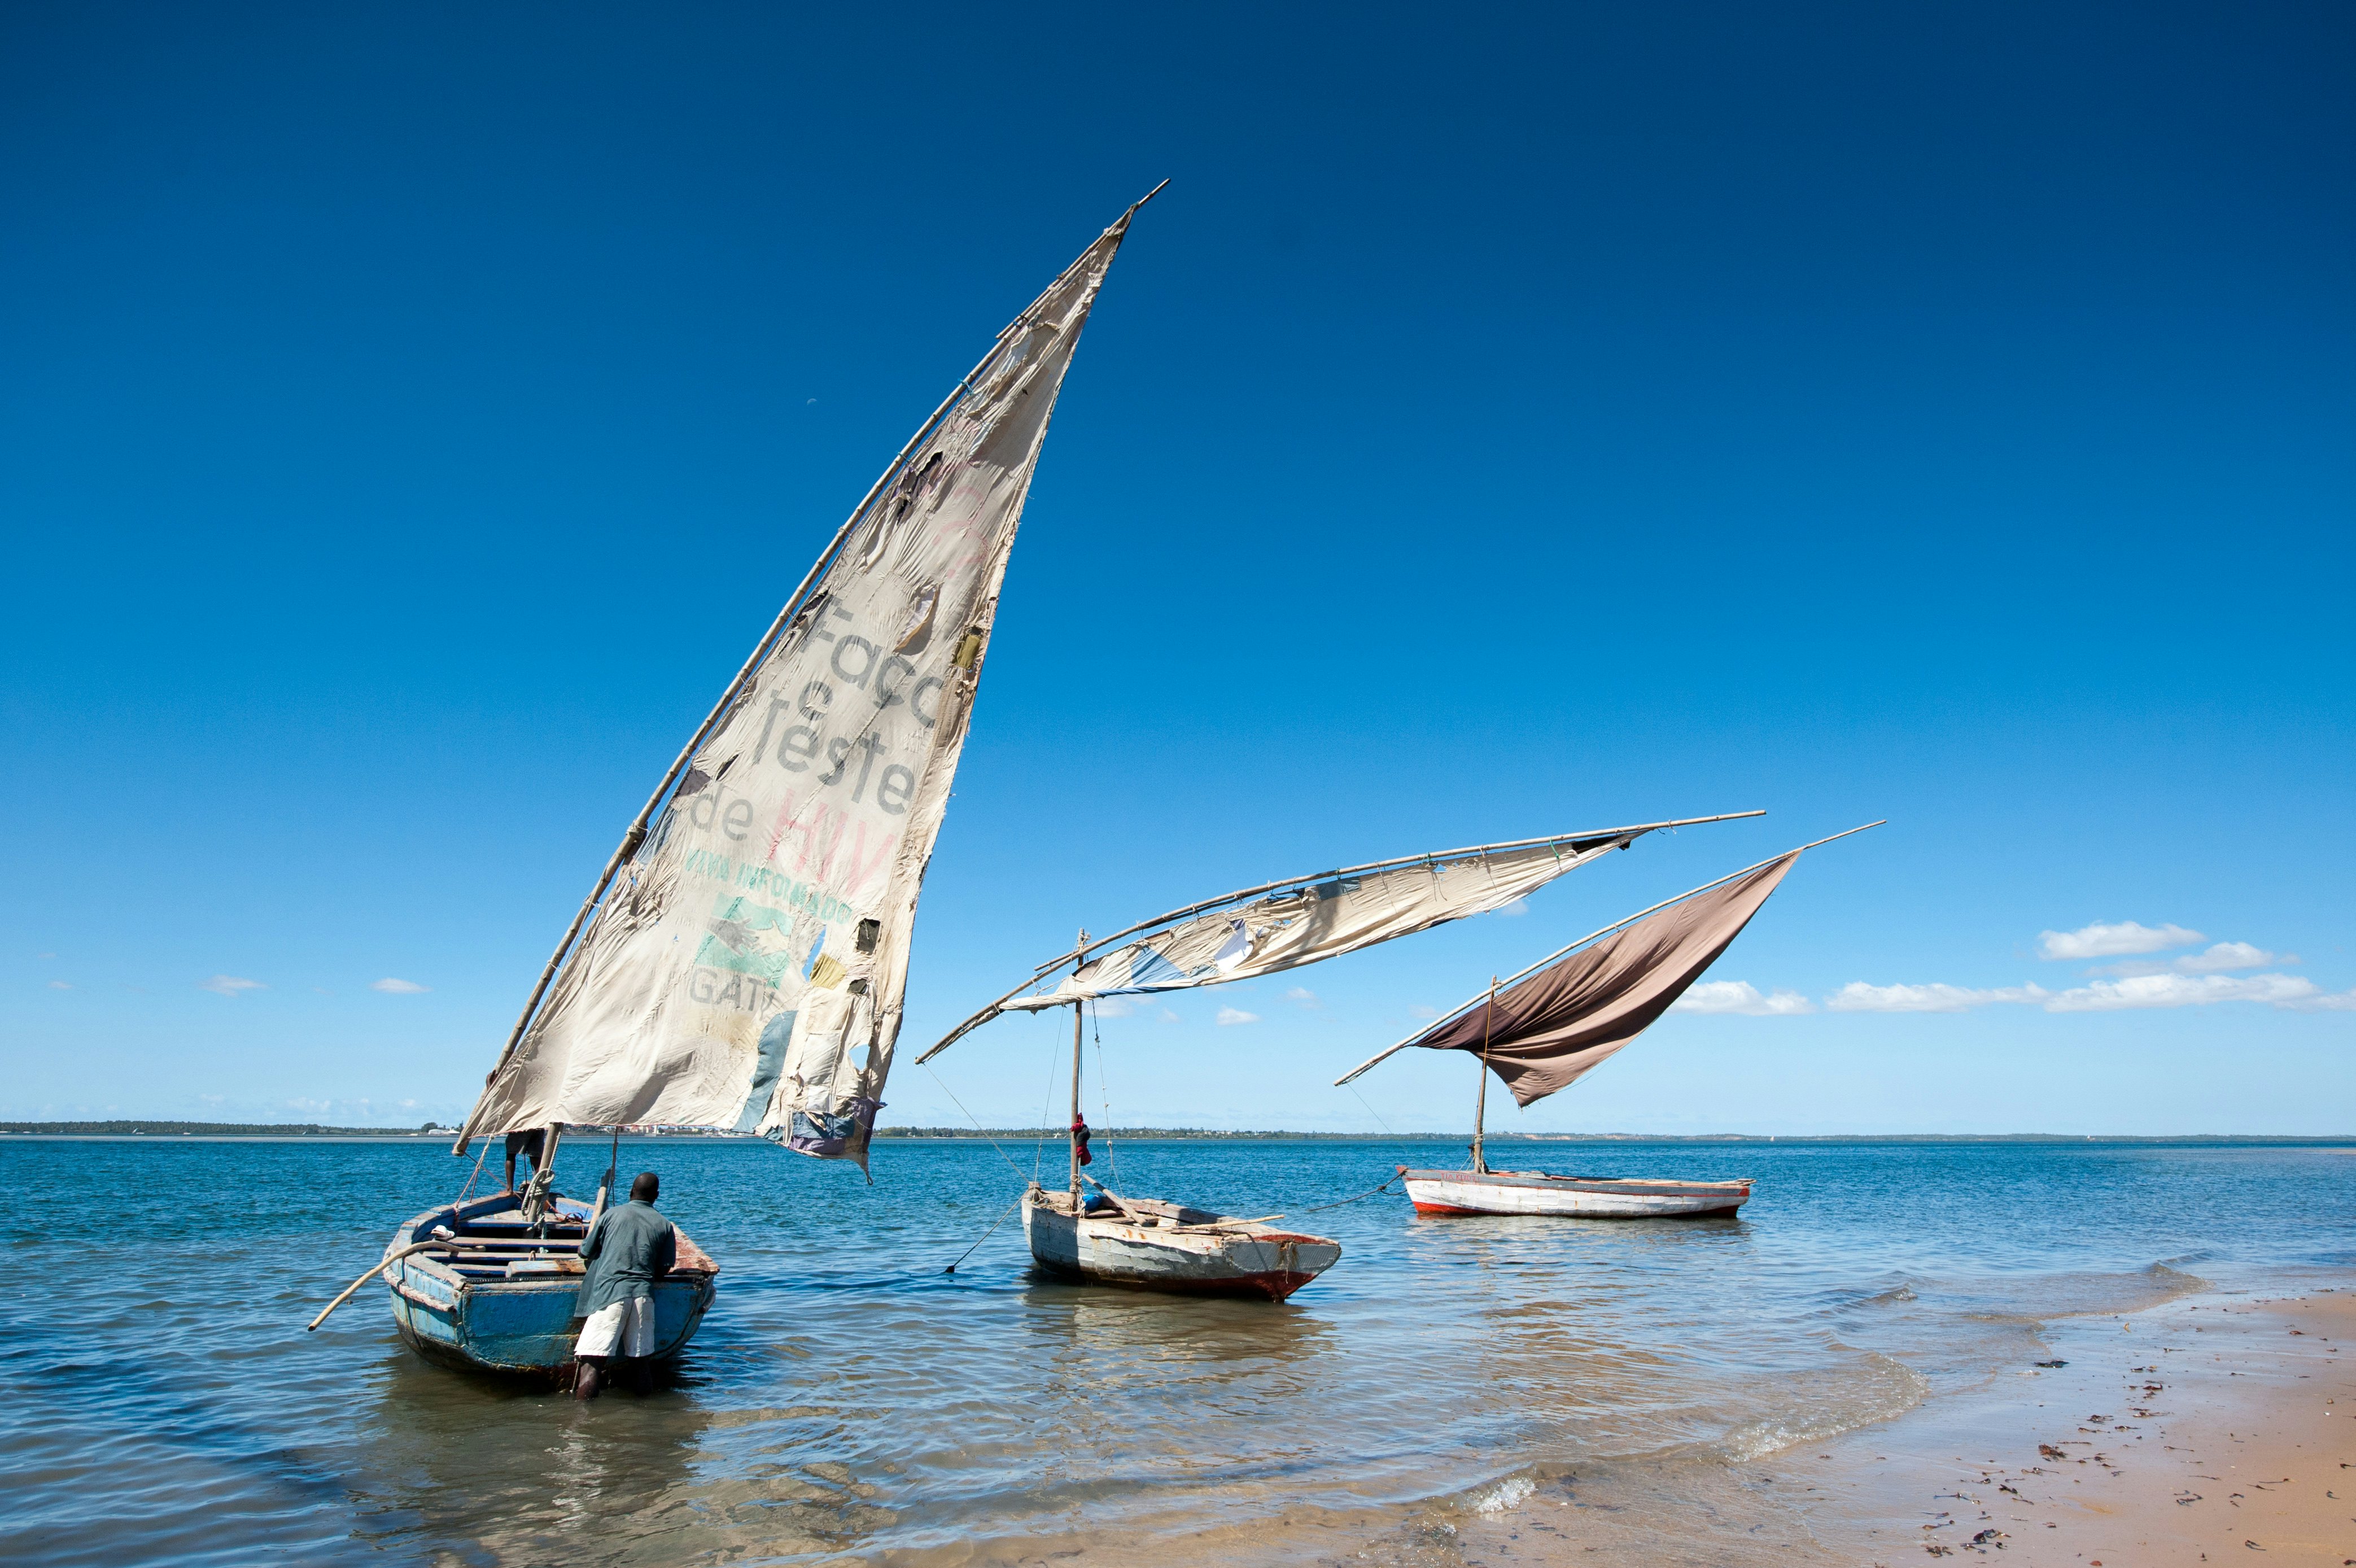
(2110, 942)
(2224, 956)
(1420, 1011)
(392, 987)
(1741, 996)
(1114, 1007)
(1856, 996)
(2187, 991)
(229, 985)
(61, 985)
(1302, 997)
(1512, 907)
(2168, 989)
(45, 955)
(1236, 1015)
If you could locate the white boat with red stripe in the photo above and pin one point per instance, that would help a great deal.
(1578, 1197)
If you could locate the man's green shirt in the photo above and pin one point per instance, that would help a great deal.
(629, 1249)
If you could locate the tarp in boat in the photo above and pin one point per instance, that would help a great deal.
(746, 968)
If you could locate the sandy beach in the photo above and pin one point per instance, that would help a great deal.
(2204, 1431)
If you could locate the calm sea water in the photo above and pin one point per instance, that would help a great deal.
(846, 1398)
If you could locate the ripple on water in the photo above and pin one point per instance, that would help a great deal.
(846, 1397)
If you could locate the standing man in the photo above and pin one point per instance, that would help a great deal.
(628, 1250)
(529, 1141)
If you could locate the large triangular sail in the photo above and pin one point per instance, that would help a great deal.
(1304, 919)
(746, 970)
(1566, 1015)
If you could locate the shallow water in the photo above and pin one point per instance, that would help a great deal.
(848, 1397)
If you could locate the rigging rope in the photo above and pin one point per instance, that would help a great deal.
(1370, 1110)
(1104, 1092)
(977, 1124)
(1046, 1109)
(467, 1190)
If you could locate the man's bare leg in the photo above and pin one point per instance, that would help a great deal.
(585, 1380)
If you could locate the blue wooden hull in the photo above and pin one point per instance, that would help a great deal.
(519, 1318)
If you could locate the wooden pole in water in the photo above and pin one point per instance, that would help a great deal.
(441, 1238)
(1481, 1104)
(1076, 1104)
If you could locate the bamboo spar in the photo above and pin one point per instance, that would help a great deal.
(1389, 1051)
(636, 834)
(1080, 954)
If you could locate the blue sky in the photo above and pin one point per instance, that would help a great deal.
(1502, 426)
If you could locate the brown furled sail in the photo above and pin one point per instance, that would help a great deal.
(1570, 1017)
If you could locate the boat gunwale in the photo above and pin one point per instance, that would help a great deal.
(700, 1268)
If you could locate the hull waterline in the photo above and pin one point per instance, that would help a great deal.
(1150, 1244)
(1577, 1198)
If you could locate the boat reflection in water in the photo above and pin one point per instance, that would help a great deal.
(521, 1473)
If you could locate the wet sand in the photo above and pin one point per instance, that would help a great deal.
(2205, 1431)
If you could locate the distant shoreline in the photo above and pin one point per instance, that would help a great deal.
(311, 1131)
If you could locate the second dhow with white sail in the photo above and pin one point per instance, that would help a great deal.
(1110, 1238)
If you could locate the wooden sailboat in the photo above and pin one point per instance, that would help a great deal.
(1105, 1238)
(1087, 1232)
(496, 1295)
(1547, 1026)
(741, 962)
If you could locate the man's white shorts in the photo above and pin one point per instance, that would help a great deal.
(625, 1328)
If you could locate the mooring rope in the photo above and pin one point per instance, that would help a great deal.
(1343, 1203)
(988, 1233)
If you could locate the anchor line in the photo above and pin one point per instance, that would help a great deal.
(1345, 1202)
(988, 1233)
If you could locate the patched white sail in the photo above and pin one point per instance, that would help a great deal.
(1263, 930)
(746, 968)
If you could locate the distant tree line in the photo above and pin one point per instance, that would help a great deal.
(209, 1130)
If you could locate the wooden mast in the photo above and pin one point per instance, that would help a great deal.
(1076, 1104)
(1078, 1206)
(1480, 1102)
